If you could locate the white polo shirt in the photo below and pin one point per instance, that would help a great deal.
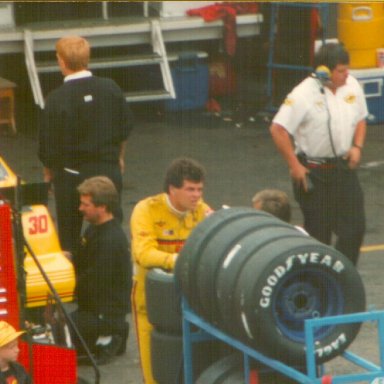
(307, 113)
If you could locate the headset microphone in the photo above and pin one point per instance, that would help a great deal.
(323, 75)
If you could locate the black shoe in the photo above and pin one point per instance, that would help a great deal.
(105, 353)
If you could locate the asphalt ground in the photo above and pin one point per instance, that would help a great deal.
(240, 159)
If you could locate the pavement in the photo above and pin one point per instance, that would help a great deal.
(240, 159)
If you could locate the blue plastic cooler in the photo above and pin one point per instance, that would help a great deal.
(372, 81)
(191, 80)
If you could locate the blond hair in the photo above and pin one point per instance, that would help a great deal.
(75, 51)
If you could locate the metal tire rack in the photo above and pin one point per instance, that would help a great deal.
(206, 331)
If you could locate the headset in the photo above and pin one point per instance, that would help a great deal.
(323, 75)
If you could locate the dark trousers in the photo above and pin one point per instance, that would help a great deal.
(335, 205)
(91, 326)
(69, 219)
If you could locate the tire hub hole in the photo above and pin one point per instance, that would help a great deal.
(301, 302)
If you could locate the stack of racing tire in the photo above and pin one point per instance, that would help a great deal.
(259, 278)
(164, 313)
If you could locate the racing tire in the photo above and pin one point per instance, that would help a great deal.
(230, 267)
(166, 357)
(224, 244)
(189, 257)
(279, 280)
(218, 371)
(291, 280)
(163, 302)
(236, 377)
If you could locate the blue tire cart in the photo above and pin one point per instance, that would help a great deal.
(196, 329)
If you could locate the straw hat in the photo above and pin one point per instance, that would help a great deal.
(8, 333)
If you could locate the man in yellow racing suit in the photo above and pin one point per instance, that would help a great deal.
(160, 225)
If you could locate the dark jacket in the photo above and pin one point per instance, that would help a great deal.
(103, 269)
(17, 371)
(84, 119)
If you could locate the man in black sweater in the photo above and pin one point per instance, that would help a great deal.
(85, 126)
(103, 272)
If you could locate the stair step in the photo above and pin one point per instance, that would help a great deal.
(107, 62)
(118, 60)
(160, 94)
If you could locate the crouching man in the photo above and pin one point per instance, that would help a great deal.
(103, 272)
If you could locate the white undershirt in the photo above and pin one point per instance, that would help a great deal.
(78, 75)
(173, 209)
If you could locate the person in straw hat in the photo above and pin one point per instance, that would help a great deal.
(10, 370)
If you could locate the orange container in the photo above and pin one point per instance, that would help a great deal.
(355, 10)
(361, 30)
(362, 58)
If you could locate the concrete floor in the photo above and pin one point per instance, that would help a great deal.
(240, 159)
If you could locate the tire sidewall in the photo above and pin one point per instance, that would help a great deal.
(262, 314)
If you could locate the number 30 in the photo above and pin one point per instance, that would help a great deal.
(38, 224)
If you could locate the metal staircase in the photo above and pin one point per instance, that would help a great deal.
(157, 57)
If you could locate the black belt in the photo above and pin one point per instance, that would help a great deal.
(321, 166)
(321, 162)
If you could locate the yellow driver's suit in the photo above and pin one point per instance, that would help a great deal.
(158, 233)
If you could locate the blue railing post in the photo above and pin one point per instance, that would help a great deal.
(187, 347)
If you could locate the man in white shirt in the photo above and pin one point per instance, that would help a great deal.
(320, 131)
